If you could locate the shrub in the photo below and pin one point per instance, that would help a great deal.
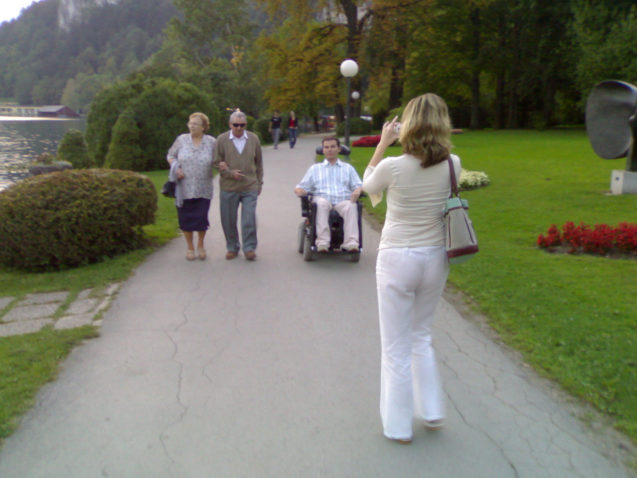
(124, 151)
(73, 149)
(472, 179)
(356, 126)
(160, 108)
(367, 141)
(260, 128)
(74, 217)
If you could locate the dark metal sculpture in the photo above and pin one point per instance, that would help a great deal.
(611, 121)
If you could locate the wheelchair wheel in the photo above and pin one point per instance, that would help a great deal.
(308, 255)
(301, 237)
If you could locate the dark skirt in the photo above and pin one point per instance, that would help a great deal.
(193, 215)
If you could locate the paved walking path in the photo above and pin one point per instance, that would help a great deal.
(271, 369)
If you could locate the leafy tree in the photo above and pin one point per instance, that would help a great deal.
(72, 148)
(209, 45)
(606, 33)
(160, 109)
(387, 47)
(105, 109)
(302, 69)
(124, 150)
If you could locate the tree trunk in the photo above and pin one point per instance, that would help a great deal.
(500, 85)
(513, 121)
(351, 14)
(474, 16)
(396, 84)
(475, 101)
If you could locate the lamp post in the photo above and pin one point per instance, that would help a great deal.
(349, 69)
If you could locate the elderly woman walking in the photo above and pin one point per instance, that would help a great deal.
(412, 266)
(190, 158)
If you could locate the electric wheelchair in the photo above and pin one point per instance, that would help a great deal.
(307, 228)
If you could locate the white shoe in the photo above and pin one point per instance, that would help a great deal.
(322, 248)
(434, 424)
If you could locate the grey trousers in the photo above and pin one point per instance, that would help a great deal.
(228, 210)
(276, 134)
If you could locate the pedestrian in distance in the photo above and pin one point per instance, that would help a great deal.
(275, 128)
(412, 265)
(190, 158)
(336, 185)
(293, 125)
(239, 161)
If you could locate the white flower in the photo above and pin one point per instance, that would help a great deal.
(472, 179)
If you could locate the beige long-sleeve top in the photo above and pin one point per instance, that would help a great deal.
(249, 161)
(415, 199)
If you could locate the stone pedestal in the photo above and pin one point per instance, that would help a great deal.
(623, 182)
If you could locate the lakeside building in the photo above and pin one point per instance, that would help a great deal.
(52, 111)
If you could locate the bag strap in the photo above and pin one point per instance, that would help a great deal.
(454, 183)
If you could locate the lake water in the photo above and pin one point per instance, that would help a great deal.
(23, 139)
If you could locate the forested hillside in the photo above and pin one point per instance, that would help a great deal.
(45, 64)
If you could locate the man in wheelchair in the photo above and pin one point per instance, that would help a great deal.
(333, 185)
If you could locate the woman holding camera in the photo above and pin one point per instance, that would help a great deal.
(412, 266)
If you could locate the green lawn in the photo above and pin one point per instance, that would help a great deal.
(29, 361)
(573, 317)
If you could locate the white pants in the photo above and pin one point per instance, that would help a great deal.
(348, 210)
(409, 283)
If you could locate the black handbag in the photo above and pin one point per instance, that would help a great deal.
(168, 189)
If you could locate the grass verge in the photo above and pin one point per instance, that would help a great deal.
(573, 317)
(29, 361)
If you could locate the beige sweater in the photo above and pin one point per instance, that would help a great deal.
(415, 199)
(250, 162)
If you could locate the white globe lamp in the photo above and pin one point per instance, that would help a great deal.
(349, 69)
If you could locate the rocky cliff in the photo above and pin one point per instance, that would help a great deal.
(70, 11)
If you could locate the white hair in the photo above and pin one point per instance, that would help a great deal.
(236, 115)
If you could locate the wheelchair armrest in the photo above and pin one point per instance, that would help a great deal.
(306, 205)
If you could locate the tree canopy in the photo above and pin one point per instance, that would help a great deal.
(499, 63)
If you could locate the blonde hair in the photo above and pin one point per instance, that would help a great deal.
(204, 119)
(425, 129)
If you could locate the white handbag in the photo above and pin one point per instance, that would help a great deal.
(461, 242)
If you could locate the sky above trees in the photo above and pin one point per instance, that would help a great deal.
(10, 9)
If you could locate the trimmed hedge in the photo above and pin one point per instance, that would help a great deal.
(356, 126)
(73, 149)
(74, 217)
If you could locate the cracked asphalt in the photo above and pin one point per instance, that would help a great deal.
(271, 369)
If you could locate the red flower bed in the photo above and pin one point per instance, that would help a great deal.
(367, 141)
(601, 239)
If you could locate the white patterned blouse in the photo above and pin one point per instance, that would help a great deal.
(196, 164)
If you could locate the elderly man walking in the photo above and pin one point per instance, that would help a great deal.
(239, 161)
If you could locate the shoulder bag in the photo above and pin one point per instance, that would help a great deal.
(168, 189)
(461, 242)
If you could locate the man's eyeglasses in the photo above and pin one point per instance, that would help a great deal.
(239, 125)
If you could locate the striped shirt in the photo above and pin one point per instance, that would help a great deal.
(334, 182)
